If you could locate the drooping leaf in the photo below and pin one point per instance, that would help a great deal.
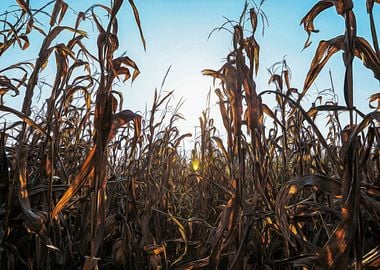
(24, 6)
(326, 49)
(314, 110)
(137, 18)
(252, 49)
(118, 69)
(60, 7)
(121, 119)
(308, 20)
(373, 98)
(219, 142)
(24, 118)
(370, 59)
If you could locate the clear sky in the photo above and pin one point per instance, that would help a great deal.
(176, 32)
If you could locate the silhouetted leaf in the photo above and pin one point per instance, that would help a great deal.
(308, 20)
(368, 56)
(325, 50)
(137, 17)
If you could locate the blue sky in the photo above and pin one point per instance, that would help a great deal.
(176, 32)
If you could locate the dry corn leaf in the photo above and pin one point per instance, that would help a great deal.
(325, 50)
(308, 20)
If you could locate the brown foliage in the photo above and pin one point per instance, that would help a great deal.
(87, 184)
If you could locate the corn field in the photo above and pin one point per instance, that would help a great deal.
(86, 184)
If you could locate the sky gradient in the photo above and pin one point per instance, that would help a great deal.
(176, 33)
